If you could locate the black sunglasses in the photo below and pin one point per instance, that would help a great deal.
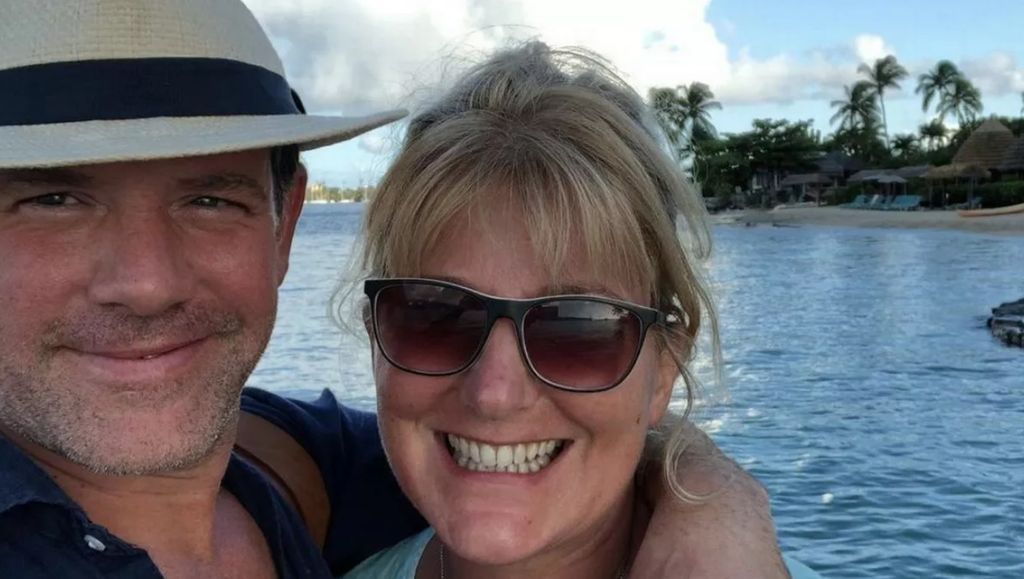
(571, 342)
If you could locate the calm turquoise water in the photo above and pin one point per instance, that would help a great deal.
(863, 388)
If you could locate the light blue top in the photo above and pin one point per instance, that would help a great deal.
(400, 561)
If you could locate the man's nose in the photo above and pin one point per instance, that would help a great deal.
(143, 265)
(499, 383)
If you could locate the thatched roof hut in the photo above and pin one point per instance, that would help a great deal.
(1013, 160)
(958, 170)
(987, 146)
(838, 164)
(878, 175)
(805, 179)
(867, 175)
(912, 171)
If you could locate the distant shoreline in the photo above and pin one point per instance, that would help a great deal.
(839, 217)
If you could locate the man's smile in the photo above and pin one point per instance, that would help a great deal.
(135, 364)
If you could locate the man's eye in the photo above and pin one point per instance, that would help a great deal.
(53, 200)
(208, 202)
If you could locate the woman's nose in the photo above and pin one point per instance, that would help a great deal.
(499, 383)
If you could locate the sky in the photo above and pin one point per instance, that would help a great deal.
(779, 59)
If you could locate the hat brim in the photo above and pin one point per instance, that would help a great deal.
(93, 142)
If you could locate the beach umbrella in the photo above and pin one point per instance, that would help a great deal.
(890, 181)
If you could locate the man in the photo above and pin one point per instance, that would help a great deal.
(149, 192)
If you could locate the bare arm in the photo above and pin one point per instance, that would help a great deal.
(730, 536)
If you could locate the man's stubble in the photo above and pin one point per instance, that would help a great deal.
(42, 404)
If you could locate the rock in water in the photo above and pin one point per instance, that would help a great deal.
(1007, 323)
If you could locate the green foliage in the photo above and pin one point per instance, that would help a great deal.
(775, 147)
(1015, 124)
(936, 83)
(858, 109)
(997, 194)
(951, 91)
(963, 101)
(684, 113)
(960, 136)
(663, 102)
(933, 134)
(906, 147)
(884, 74)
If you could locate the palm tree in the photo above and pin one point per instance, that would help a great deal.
(963, 100)
(663, 102)
(1021, 112)
(934, 133)
(685, 114)
(884, 74)
(937, 83)
(858, 108)
(696, 103)
(905, 146)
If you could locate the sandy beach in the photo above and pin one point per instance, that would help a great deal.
(838, 217)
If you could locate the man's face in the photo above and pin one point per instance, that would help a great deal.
(135, 299)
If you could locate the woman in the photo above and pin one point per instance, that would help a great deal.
(531, 307)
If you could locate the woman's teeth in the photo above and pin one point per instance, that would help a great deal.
(522, 458)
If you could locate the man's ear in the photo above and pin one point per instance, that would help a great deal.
(292, 208)
(668, 373)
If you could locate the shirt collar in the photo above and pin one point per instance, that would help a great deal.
(23, 481)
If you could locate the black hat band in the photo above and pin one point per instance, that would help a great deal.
(121, 89)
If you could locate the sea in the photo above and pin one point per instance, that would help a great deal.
(861, 386)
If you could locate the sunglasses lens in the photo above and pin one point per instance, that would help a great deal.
(581, 344)
(429, 328)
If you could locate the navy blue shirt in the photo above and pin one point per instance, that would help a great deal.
(44, 534)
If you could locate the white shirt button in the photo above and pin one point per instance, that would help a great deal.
(94, 543)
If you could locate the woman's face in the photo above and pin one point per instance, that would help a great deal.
(500, 518)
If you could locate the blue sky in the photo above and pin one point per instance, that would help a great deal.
(781, 59)
(918, 32)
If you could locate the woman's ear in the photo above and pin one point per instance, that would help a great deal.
(368, 325)
(367, 319)
(668, 373)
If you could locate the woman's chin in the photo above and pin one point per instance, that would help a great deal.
(491, 541)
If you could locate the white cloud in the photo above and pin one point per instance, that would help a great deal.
(871, 47)
(783, 79)
(355, 56)
(358, 55)
(375, 143)
(996, 74)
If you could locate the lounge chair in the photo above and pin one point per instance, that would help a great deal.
(859, 202)
(895, 204)
(974, 203)
(905, 203)
(877, 202)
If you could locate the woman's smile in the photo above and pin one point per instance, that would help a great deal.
(523, 458)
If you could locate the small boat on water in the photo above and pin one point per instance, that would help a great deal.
(1019, 208)
(1008, 210)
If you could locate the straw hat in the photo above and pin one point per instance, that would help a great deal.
(92, 81)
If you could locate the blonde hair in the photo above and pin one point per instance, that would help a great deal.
(559, 135)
